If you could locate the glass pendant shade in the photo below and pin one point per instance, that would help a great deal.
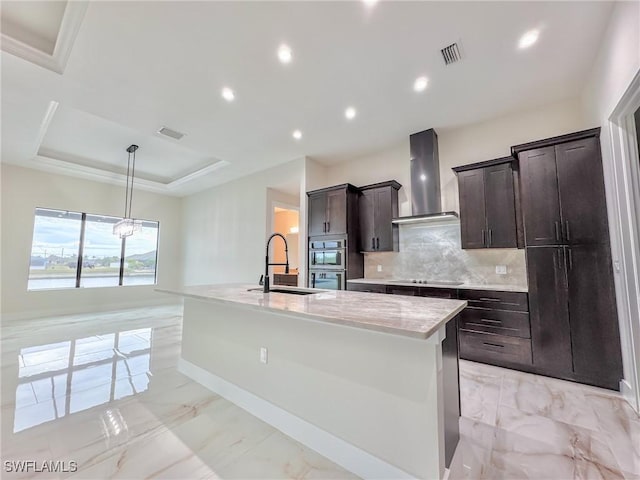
(126, 227)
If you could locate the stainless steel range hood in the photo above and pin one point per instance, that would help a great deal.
(426, 205)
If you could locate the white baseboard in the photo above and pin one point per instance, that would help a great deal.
(335, 449)
(629, 395)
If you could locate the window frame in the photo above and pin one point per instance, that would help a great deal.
(81, 243)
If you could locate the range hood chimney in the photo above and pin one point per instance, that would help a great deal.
(426, 204)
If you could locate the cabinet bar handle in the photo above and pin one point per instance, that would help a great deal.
(493, 345)
(490, 237)
(490, 320)
(570, 259)
(557, 231)
(484, 241)
(568, 234)
(377, 243)
(489, 299)
(328, 226)
(373, 243)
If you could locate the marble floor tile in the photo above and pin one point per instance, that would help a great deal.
(619, 425)
(535, 395)
(479, 396)
(125, 411)
(281, 457)
(473, 452)
(121, 409)
(550, 429)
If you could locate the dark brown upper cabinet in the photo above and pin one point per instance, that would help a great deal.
(488, 204)
(563, 197)
(378, 205)
(330, 208)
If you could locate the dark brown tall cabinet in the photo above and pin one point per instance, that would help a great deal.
(334, 233)
(328, 209)
(378, 206)
(487, 204)
(574, 324)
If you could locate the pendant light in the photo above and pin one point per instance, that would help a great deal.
(126, 226)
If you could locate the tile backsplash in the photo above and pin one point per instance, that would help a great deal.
(433, 252)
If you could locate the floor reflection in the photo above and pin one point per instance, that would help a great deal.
(63, 378)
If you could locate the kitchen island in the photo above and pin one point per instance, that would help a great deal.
(368, 380)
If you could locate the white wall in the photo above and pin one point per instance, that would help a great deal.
(226, 227)
(462, 145)
(617, 63)
(25, 189)
(378, 392)
(314, 177)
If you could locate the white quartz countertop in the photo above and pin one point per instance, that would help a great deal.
(417, 317)
(462, 286)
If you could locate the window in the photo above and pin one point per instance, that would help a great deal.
(55, 248)
(73, 249)
(101, 255)
(140, 256)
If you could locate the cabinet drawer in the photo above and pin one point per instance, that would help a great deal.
(437, 292)
(366, 287)
(402, 290)
(501, 322)
(514, 301)
(496, 349)
(285, 279)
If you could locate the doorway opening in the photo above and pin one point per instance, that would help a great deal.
(621, 142)
(287, 222)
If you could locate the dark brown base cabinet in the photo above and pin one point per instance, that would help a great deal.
(573, 314)
(495, 328)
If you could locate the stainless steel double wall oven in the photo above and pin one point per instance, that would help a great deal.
(328, 263)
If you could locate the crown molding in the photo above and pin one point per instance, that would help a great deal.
(69, 27)
(174, 187)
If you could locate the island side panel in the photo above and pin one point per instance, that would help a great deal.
(451, 389)
(379, 392)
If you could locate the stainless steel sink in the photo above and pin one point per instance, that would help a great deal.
(291, 291)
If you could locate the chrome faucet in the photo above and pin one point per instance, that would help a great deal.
(267, 264)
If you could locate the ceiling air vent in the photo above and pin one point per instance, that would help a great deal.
(167, 132)
(451, 54)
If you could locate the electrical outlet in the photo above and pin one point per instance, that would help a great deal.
(263, 354)
(379, 268)
(501, 269)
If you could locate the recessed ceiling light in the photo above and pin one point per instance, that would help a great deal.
(284, 54)
(529, 38)
(369, 3)
(350, 113)
(228, 94)
(297, 134)
(420, 84)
